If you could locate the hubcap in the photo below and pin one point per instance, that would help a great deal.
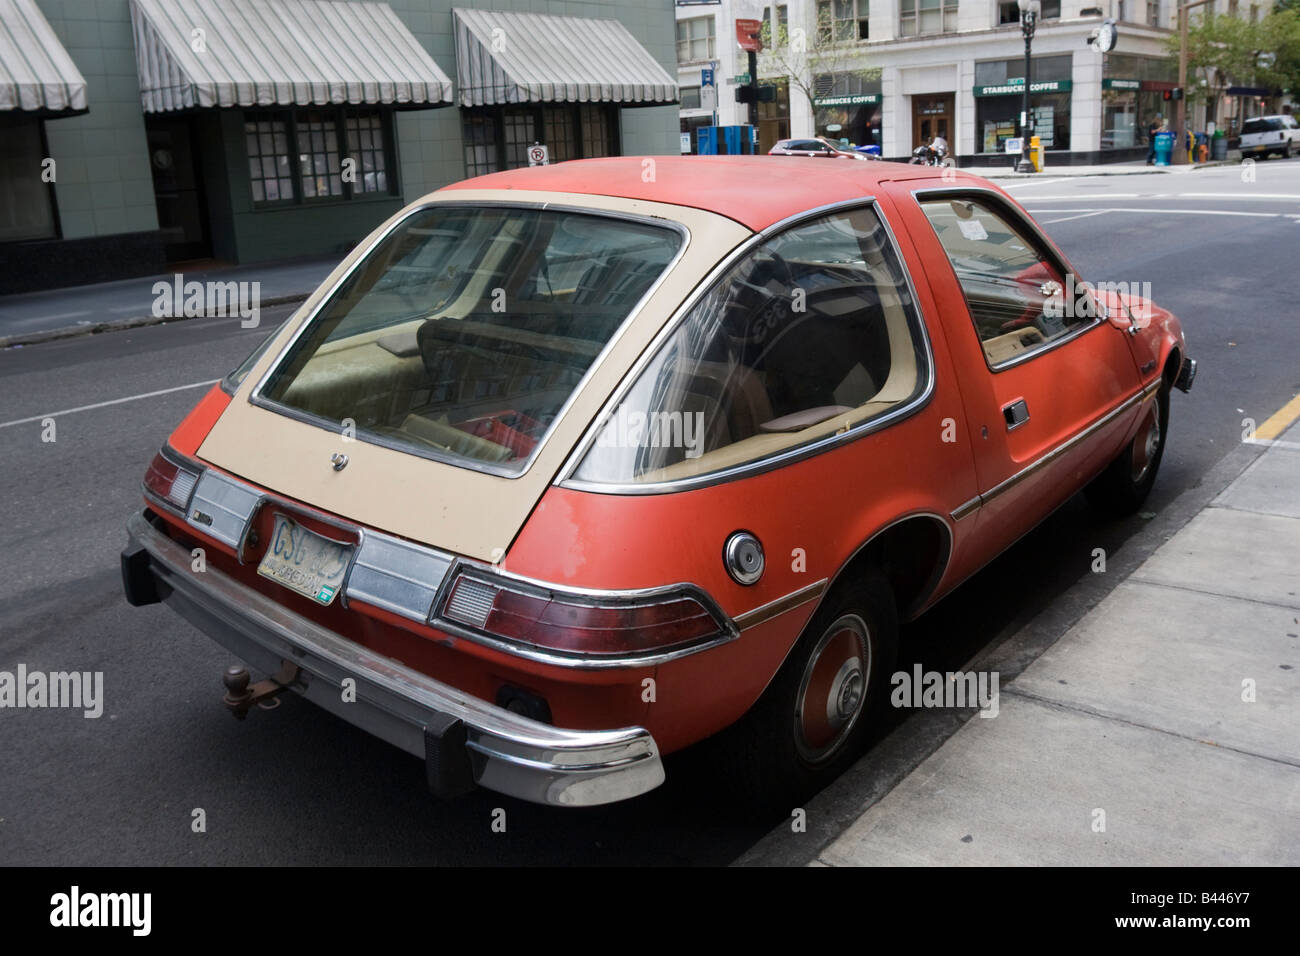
(833, 689)
(1147, 444)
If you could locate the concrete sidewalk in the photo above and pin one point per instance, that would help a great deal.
(1139, 719)
(58, 313)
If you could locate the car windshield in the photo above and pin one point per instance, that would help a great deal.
(464, 332)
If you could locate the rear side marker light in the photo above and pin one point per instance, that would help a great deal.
(170, 482)
(579, 624)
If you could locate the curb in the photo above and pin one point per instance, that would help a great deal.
(118, 325)
(830, 813)
(1152, 171)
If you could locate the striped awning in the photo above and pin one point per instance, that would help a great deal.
(36, 73)
(537, 58)
(222, 53)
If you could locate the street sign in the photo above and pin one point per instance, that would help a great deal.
(538, 155)
(706, 77)
(708, 97)
(1014, 145)
(748, 35)
(741, 79)
(686, 142)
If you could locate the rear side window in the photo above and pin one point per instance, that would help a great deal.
(811, 335)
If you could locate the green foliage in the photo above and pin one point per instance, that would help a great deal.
(1228, 51)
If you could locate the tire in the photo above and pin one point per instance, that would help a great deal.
(810, 722)
(1123, 487)
(1286, 151)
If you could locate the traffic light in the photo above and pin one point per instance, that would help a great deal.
(745, 94)
(1175, 94)
(767, 94)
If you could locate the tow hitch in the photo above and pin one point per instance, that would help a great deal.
(240, 696)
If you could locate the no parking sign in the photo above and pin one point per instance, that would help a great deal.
(538, 155)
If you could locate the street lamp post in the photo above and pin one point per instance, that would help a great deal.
(1029, 11)
(1180, 108)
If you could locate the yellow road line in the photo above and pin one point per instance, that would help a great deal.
(1279, 420)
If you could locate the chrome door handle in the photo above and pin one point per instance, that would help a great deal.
(1016, 414)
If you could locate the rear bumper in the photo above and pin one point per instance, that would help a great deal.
(463, 740)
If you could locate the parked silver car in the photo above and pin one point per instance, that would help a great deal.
(815, 146)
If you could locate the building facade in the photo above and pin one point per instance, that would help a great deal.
(136, 134)
(895, 73)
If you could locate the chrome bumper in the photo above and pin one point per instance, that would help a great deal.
(463, 740)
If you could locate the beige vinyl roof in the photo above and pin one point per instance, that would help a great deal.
(36, 72)
(536, 58)
(279, 53)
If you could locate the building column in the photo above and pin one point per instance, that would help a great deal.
(1085, 102)
(968, 140)
(897, 115)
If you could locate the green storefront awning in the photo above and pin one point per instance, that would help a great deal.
(1017, 86)
(856, 99)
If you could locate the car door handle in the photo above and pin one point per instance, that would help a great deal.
(1016, 414)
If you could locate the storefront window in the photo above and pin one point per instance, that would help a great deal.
(847, 106)
(26, 208)
(1132, 96)
(999, 96)
(299, 156)
(498, 137)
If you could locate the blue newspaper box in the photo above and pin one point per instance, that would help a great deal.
(1164, 148)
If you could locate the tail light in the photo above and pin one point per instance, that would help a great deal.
(169, 481)
(633, 624)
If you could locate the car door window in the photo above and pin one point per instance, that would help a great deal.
(810, 335)
(1018, 298)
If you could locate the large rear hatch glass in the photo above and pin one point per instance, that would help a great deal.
(463, 333)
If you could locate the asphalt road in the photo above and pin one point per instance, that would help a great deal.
(298, 786)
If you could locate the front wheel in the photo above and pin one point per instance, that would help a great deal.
(809, 723)
(1123, 487)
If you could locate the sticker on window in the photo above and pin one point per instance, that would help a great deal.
(972, 229)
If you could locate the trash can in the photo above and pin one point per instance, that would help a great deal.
(1164, 148)
(1218, 145)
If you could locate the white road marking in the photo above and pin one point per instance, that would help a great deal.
(1172, 212)
(1082, 215)
(113, 401)
(1044, 182)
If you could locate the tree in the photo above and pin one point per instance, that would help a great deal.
(1279, 34)
(805, 56)
(1222, 51)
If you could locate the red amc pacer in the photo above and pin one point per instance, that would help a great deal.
(567, 468)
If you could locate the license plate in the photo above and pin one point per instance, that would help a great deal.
(303, 561)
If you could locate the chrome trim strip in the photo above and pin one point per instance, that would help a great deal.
(592, 597)
(966, 508)
(1048, 457)
(508, 752)
(395, 575)
(564, 477)
(766, 612)
(229, 505)
(1046, 245)
(256, 398)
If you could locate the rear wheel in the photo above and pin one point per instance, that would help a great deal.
(810, 722)
(1124, 485)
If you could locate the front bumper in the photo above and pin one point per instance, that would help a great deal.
(462, 739)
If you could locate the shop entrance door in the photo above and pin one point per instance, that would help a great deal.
(932, 116)
(178, 187)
